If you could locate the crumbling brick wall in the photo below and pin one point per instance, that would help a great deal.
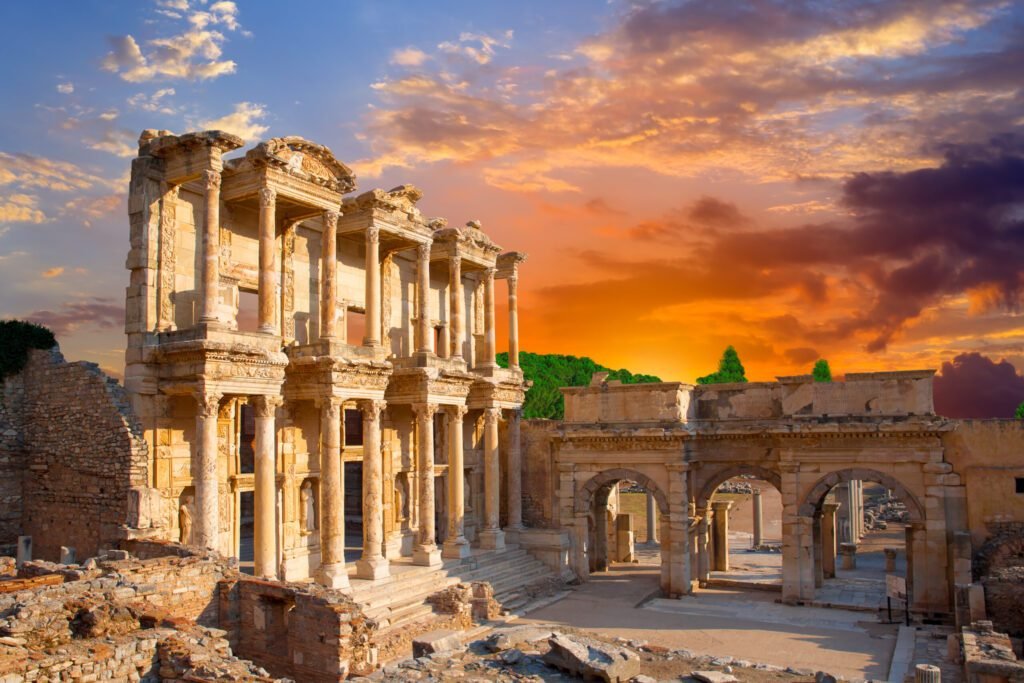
(12, 460)
(999, 565)
(83, 460)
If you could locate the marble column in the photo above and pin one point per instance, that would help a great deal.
(492, 537)
(514, 475)
(265, 492)
(424, 331)
(426, 553)
(267, 261)
(211, 249)
(828, 540)
(490, 349)
(456, 545)
(721, 531)
(652, 518)
(373, 307)
(758, 519)
(458, 335)
(332, 498)
(513, 321)
(373, 565)
(328, 276)
(206, 527)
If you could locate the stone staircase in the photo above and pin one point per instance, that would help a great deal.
(401, 599)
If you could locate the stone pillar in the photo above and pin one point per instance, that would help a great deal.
(721, 532)
(514, 475)
(491, 537)
(828, 540)
(456, 545)
(373, 307)
(211, 249)
(206, 528)
(848, 555)
(844, 515)
(652, 521)
(424, 336)
(513, 321)
(704, 548)
(758, 519)
(372, 565)
(600, 563)
(675, 542)
(890, 559)
(816, 554)
(265, 493)
(927, 673)
(332, 497)
(489, 321)
(267, 258)
(458, 335)
(426, 553)
(328, 277)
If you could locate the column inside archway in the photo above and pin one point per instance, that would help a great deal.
(721, 534)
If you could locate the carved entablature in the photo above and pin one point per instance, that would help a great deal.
(508, 264)
(503, 393)
(429, 385)
(234, 366)
(394, 211)
(188, 156)
(308, 377)
(625, 442)
(305, 160)
(469, 242)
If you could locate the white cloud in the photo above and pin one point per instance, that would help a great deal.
(28, 171)
(20, 208)
(243, 121)
(155, 102)
(409, 56)
(116, 141)
(483, 51)
(65, 88)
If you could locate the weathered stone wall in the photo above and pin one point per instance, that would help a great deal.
(12, 460)
(539, 474)
(1004, 599)
(84, 461)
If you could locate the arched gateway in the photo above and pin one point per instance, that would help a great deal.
(681, 442)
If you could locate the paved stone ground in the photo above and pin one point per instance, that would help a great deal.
(743, 624)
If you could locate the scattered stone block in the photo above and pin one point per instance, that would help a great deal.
(509, 637)
(713, 677)
(435, 641)
(592, 659)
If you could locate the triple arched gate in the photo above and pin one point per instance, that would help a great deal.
(683, 480)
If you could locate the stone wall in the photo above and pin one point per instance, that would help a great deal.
(70, 439)
(539, 473)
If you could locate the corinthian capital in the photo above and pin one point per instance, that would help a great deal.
(372, 408)
(330, 220)
(489, 275)
(372, 234)
(268, 196)
(424, 410)
(492, 416)
(266, 406)
(423, 252)
(208, 403)
(212, 180)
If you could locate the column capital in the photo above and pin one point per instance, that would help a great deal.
(718, 505)
(331, 219)
(489, 274)
(492, 415)
(423, 251)
(372, 234)
(424, 410)
(209, 402)
(212, 179)
(268, 196)
(266, 406)
(330, 403)
(457, 412)
(372, 408)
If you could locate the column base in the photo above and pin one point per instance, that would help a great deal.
(333, 576)
(456, 549)
(512, 534)
(426, 556)
(492, 539)
(374, 568)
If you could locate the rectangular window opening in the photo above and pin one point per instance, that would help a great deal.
(248, 318)
(355, 326)
(1020, 484)
(353, 428)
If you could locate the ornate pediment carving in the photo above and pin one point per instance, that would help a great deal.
(304, 159)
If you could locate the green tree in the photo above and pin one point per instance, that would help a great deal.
(548, 372)
(16, 338)
(730, 369)
(1019, 414)
(822, 372)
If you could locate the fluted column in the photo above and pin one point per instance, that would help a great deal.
(456, 545)
(332, 498)
(513, 321)
(515, 471)
(426, 553)
(491, 537)
(372, 335)
(458, 335)
(206, 527)
(372, 565)
(268, 259)
(265, 493)
(489, 320)
(211, 249)
(328, 276)
(425, 338)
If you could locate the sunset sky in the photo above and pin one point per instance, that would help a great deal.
(810, 179)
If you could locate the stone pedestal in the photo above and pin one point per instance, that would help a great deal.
(758, 519)
(721, 534)
(927, 673)
(890, 559)
(24, 551)
(848, 555)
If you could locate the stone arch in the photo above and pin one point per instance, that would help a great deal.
(812, 502)
(586, 493)
(723, 475)
(1004, 548)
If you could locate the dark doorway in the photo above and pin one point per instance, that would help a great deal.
(246, 531)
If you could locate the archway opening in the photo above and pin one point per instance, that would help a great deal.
(744, 533)
(864, 526)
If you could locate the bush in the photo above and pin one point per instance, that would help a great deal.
(822, 372)
(730, 369)
(16, 338)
